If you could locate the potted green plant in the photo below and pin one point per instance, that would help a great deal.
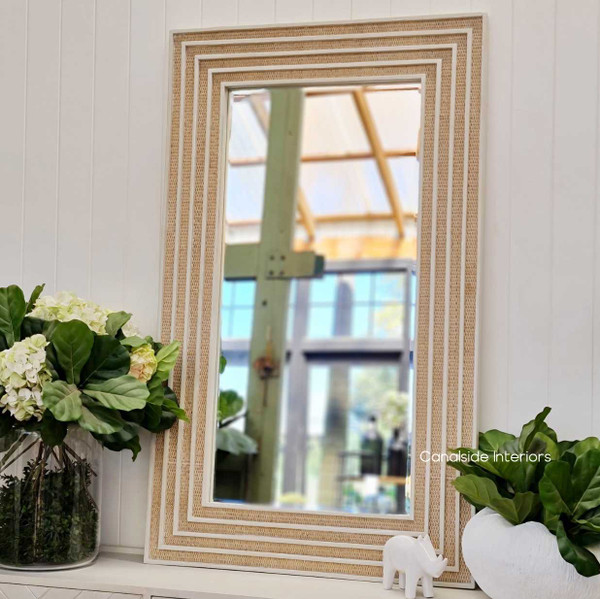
(537, 528)
(233, 447)
(74, 377)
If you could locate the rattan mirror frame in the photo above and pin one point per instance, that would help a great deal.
(445, 55)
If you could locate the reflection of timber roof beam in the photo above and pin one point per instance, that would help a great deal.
(336, 218)
(306, 215)
(380, 158)
(256, 160)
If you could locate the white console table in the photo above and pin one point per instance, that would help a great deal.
(126, 577)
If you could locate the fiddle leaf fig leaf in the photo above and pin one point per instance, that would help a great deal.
(586, 482)
(35, 294)
(555, 488)
(12, 312)
(123, 393)
(534, 426)
(63, 400)
(108, 360)
(483, 491)
(53, 431)
(493, 440)
(73, 342)
(585, 561)
(166, 358)
(98, 419)
(116, 321)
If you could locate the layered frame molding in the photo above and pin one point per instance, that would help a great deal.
(445, 56)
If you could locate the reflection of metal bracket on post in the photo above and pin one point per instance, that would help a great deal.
(272, 263)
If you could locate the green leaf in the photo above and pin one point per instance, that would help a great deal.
(7, 422)
(115, 321)
(53, 431)
(123, 393)
(581, 447)
(73, 342)
(100, 420)
(535, 426)
(586, 482)
(31, 326)
(52, 363)
(544, 445)
(63, 400)
(236, 442)
(584, 561)
(483, 491)
(555, 488)
(166, 358)
(222, 364)
(34, 297)
(12, 312)
(108, 360)
(590, 520)
(230, 404)
(493, 440)
(126, 438)
(157, 391)
(133, 341)
(173, 407)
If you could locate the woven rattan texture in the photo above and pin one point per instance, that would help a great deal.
(447, 53)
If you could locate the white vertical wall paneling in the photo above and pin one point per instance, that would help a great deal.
(531, 208)
(450, 6)
(595, 419)
(574, 186)
(75, 155)
(142, 252)
(402, 8)
(256, 12)
(181, 14)
(101, 147)
(41, 142)
(110, 234)
(371, 9)
(217, 13)
(496, 215)
(292, 11)
(328, 10)
(13, 73)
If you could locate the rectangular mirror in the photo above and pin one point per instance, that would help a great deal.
(322, 235)
(318, 302)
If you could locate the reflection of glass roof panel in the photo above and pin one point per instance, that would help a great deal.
(406, 176)
(245, 192)
(332, 126)
(344, 187)
(397, 115)
(247, 136)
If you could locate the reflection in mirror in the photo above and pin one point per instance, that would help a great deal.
(318, 299)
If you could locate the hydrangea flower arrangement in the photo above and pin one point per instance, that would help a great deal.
(68, 362)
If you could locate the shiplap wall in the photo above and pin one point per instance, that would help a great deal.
(82, 139)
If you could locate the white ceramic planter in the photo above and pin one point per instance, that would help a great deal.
(521, 562)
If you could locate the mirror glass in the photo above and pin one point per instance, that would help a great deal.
(318, 299)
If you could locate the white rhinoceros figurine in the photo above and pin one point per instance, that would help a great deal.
(413, 559)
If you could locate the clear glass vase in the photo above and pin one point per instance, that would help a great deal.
(49, 501)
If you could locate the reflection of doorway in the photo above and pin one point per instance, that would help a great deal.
(349, 358)
(349, 351)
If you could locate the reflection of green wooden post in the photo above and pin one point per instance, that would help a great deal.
(272, 284)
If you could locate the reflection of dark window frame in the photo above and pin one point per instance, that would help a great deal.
(302, 350)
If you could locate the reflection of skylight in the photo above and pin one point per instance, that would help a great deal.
(347, 145)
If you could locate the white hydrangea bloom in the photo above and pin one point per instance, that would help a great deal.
(23, 372)
(65, 306)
